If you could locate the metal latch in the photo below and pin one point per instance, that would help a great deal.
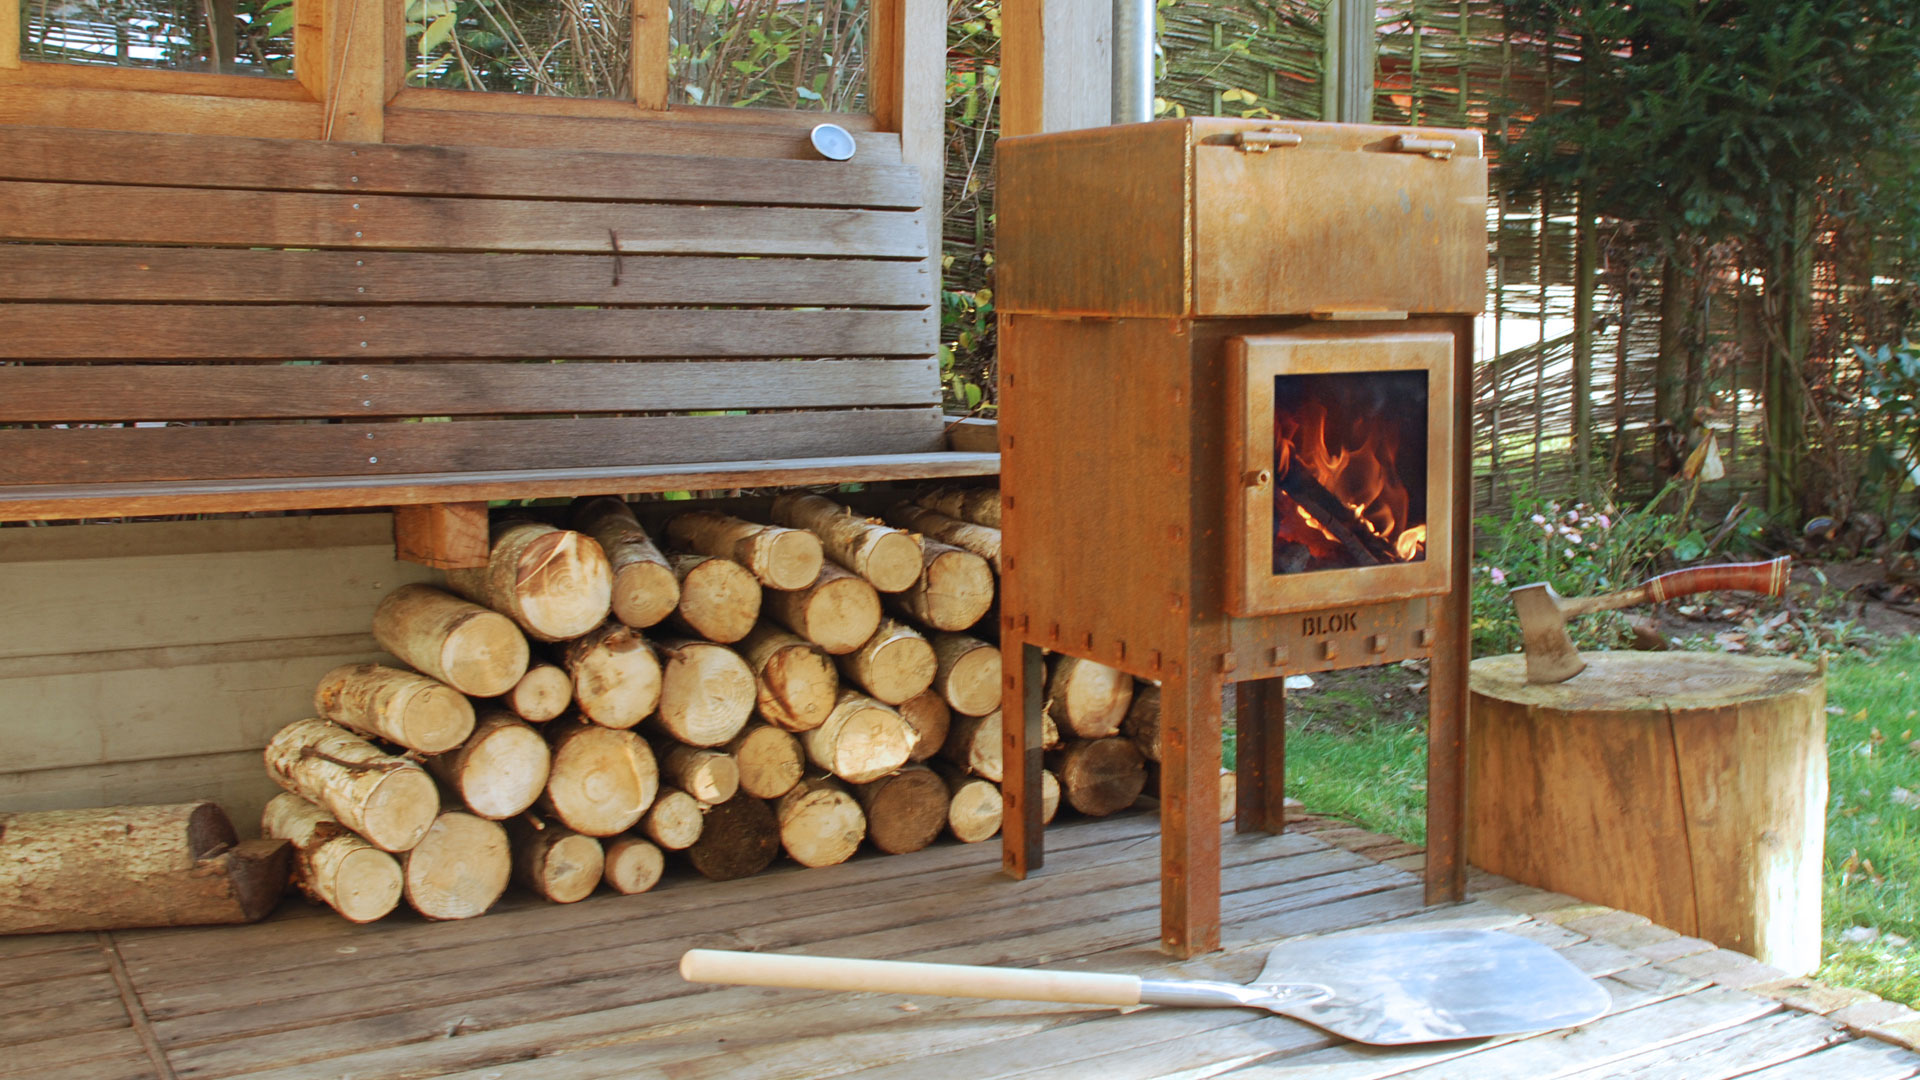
(1259, 142)
(1437, 149)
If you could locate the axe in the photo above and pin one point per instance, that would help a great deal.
(1551, 657)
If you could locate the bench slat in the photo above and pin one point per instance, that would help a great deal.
(112, 273)
(126, 392)
(162, 332)
(97, 213)
(112, 157)
(138, 455)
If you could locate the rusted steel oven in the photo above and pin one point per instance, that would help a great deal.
(1235, 369)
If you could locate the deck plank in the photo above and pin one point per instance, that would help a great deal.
(1731, 1052)
(1862, 1059)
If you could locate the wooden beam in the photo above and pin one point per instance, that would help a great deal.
(1056, 71)
(445, 536)
(356, 62)
(9, 36)
(650, 44)
(907, 93)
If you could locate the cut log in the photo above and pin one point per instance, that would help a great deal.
(905, 810)
(1086, 699)
(459, 868)
(130, 866)
(1142, 724)
(954, 590)
(719, 600)
(821, 823)
(770, 760)
(602, 779)
(543, 693)
(928, 718)
(894, 665)
(475, 651)
(967, 673)
(974, 807)
(1229, 790)
(974, 745)
(331, 864)
(795, 680)
(399, 706)
(632, 865)
(712, 776)
(555, 583)
(981, 506)
(1100, 776)
(500, 770)
(838, 611)
(861, 740)
(555, 861)
(779, 558)
(674, 820)
(388, 800)
(616, 676)
(1049, 796)
(645, 589)
(740, 837)
(707, 692)
(888, 558)
(978, 539)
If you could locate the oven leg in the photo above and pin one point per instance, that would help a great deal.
(1260, 764)
(1022, 742)
(1190, 702)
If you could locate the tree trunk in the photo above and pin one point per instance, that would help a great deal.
(770, 760)
(555, 861)
(632, 865)
(980, 506)
(129, 866)
(543, 693)
(674, 820)
(954, 590)
(645, 589)
(1678, 340)
(978, 539)
(795, 681)
(1585, 270)
(779, 558)
(555, 583)
(712, 776)
(417, 712)
(500, 770)
(838, 612)
(1142, 724)
(1088, 699)
(894, 665)
(1789, 309)
(706, 694)
(927, 718)
(974, 807)
(967, 673)
(616, 677)
(887, 558)
(331, 864)
(861, 740)
(820, 822)
(1100, 776)
(719, 600)
(905, 810)
(459, 868)
(473, 650)
(602, 779)
(739, 839)
(389, 800)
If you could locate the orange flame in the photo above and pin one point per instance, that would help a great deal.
(1364, 477)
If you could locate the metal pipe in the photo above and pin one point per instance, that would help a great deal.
(1133, 25)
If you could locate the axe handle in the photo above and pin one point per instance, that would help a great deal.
(1760, 577)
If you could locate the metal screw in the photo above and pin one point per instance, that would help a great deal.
(356, 206)
(367, 405)
(369, 434)
(363, 288)
(363, 344)
(363, 318)
(364, 378)
(356, 234)
(359, 262)
(373, 461)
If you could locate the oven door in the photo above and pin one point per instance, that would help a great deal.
(1341, 441)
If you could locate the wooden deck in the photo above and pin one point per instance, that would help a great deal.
(589, 990)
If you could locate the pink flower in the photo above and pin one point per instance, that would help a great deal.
(1498, 575)
(1605, 522)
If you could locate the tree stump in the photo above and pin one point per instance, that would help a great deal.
(1687, 787)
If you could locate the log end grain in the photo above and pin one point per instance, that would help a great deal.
(675, 819)
(601, 781)
(616, 676)
(501, 770)
(955, 588)
(632, 865)
(459, 868)
(559, 864)
(796, 681)
(1088, 699)
(892, 562)
(719, 599)
(543, 693)
(905, 811)
(861, 741)
(485, 655)
(839, 612)
(928, 718)
(739, 839)
(896, 664)
(790, 559)
(975, 811)
(413, 710)
(644, 593)
(770, 760)
(1101, 776)
(969, 674)
(562, 585)
(820, 824)
(707, 692)
(400, 809)
(365, 883)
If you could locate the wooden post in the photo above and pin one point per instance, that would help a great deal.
(352, 83)
(445, 536)
(1446, 870)
(649, 61)
(1260, 742)
(9, 37)
(907, 91)
(1056, 65)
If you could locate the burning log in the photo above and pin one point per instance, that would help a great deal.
(1337, 518)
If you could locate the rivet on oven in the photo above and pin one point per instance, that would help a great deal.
(1123, 649)
(1280, 654)
(1378, 643)
(1176, 602)
(1228, 662)
(1089, 639)
(1006, 502)
(1154, 663)
(1053, 632)
(1424, 638)
(1025, 622)
(1329, 650)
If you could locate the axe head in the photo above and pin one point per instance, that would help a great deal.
(1551, 657)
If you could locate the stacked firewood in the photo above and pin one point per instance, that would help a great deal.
(591, 704)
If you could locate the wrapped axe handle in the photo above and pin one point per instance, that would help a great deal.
(1761, 577)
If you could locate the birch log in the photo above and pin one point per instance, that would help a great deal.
(928, 718)
(1049, 796)
(795, 681)
(974, 807)
(389, 800)
(712, 776)
(967, 673)
(473, 650)
(616, 677)
(974, 743)
(632, 865)
(674, 820)
(779, 558)
(555, 861)
(894, 665)
(707, 692)
(905, 810)
(459, 868)
(739, 838)
(1086, 699)
(130, 866)
(556, 583)
(821, 823)
(500, 770)
(838, 611)
(417, 712)
(1142, 724)
(331, 864)
(978, 539)
(543, 693)
(954, 590)
(770, 760)
(645, 589)
(861, 740)
(602, 780)
(719, 600)
(1100, 776)
(981, 506)
(888, 558)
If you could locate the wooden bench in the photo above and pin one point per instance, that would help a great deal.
(200, 324)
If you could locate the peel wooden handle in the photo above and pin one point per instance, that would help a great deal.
(1760, 577)
(899, 977)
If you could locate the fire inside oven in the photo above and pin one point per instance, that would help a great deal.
(1350, 469)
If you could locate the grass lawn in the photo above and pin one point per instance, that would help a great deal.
(1356, 749)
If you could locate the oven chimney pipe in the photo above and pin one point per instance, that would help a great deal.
(1133, 61)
